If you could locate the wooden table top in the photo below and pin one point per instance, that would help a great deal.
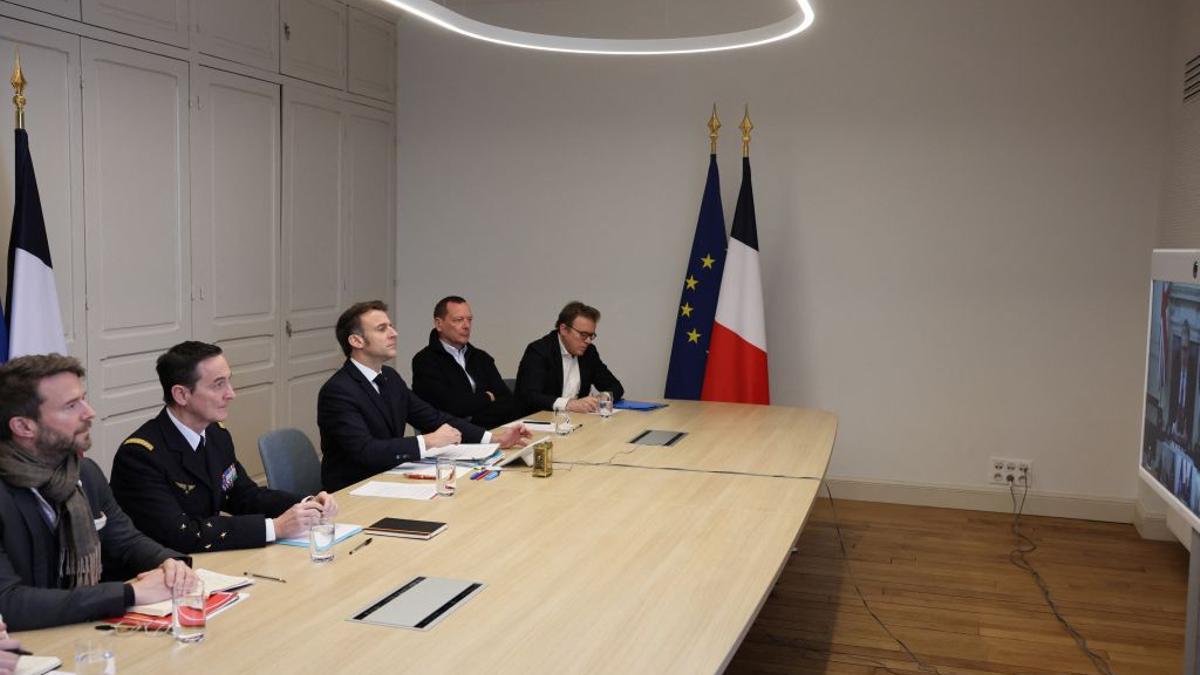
(613, 568)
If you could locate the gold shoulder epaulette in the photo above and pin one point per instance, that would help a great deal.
(140, 441)
(222, 425)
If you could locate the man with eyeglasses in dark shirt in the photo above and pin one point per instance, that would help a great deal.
(559, 369)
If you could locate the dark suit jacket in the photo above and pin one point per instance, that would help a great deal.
(30, 588)
(361, 435)
(439, 380)
(540, 375)
(176, 495)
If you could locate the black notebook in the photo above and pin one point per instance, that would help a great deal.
(401, 527)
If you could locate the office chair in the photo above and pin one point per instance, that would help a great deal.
(291, 461)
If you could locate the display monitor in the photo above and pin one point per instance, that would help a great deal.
(1171, 421)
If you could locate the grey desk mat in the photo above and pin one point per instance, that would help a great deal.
(658, 437)
(419, 604)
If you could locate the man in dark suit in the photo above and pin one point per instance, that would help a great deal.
(559, 369)
(454, 375)
(363, 407)
(179, 478)
(66, 543)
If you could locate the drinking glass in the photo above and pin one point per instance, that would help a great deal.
(188, 613)
(562, 423)
(605, 399)
(446, 473)
(94, 656)
(320, 540)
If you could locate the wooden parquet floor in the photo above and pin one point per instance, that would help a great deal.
(941, 580)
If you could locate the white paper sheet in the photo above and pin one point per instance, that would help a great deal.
(377, 488)
(468, 451)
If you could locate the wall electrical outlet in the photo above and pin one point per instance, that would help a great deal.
(1005, 470)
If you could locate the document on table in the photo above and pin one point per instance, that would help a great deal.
(461, 452)
(213, 582)
(539, 427)
(341, 531)
(377, 488)
(412, 469)
(37, 665)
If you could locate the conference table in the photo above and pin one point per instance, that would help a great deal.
(629, 559)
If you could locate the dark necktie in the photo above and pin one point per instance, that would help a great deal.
(381, 382)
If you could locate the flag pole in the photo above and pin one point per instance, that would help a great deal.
(714, 125)
(746, 126)
(18, 84)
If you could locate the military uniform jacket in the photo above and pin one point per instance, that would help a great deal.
(177, 495)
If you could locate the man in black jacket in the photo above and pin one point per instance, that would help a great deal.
(454, 375)
(179, 478)
(559, 369)
(363, 408)
(67, 548)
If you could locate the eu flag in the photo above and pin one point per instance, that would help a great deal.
(698, 301)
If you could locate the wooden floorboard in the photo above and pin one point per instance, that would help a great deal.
(941, 580)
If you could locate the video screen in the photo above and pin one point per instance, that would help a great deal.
(1170, 447)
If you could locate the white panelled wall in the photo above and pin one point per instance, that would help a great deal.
(239, 161)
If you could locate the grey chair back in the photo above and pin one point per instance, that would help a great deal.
(291, 461)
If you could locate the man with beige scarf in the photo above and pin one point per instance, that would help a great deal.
(67, 546)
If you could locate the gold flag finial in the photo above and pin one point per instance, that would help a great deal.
(714, 124)
(18, 84)
(746, 126)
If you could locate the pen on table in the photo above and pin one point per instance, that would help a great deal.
(418, 476)
(264, 576)
(365, 542)
(20, 652)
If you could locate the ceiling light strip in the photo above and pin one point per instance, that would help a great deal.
(447, 18)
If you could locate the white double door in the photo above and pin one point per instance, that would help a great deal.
(216, 208)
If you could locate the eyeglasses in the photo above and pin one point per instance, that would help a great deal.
(586, 337)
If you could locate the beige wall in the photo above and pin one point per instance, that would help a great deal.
(956, 202)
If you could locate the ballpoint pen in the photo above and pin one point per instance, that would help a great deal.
(418, 476)
(264, 576)
(368, 540)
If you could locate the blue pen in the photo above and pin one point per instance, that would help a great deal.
(491, 475)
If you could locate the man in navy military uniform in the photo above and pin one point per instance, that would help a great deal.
(178, 472)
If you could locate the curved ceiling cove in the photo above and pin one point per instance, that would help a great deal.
(442, 16)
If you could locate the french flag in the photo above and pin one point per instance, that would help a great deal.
(737, 353)
(34, 319)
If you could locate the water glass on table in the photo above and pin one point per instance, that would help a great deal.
(94, 656)
(189, 615)
(321, 539)
(605, 400)
(562, 423)
(446, 472)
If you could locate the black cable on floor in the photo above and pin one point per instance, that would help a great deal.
(861, 598)
(1016, 556)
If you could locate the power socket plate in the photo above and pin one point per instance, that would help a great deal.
(1007, 470)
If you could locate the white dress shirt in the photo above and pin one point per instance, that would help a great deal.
(460, 357)
(570, 369)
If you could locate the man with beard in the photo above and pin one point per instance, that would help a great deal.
(66, 542)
